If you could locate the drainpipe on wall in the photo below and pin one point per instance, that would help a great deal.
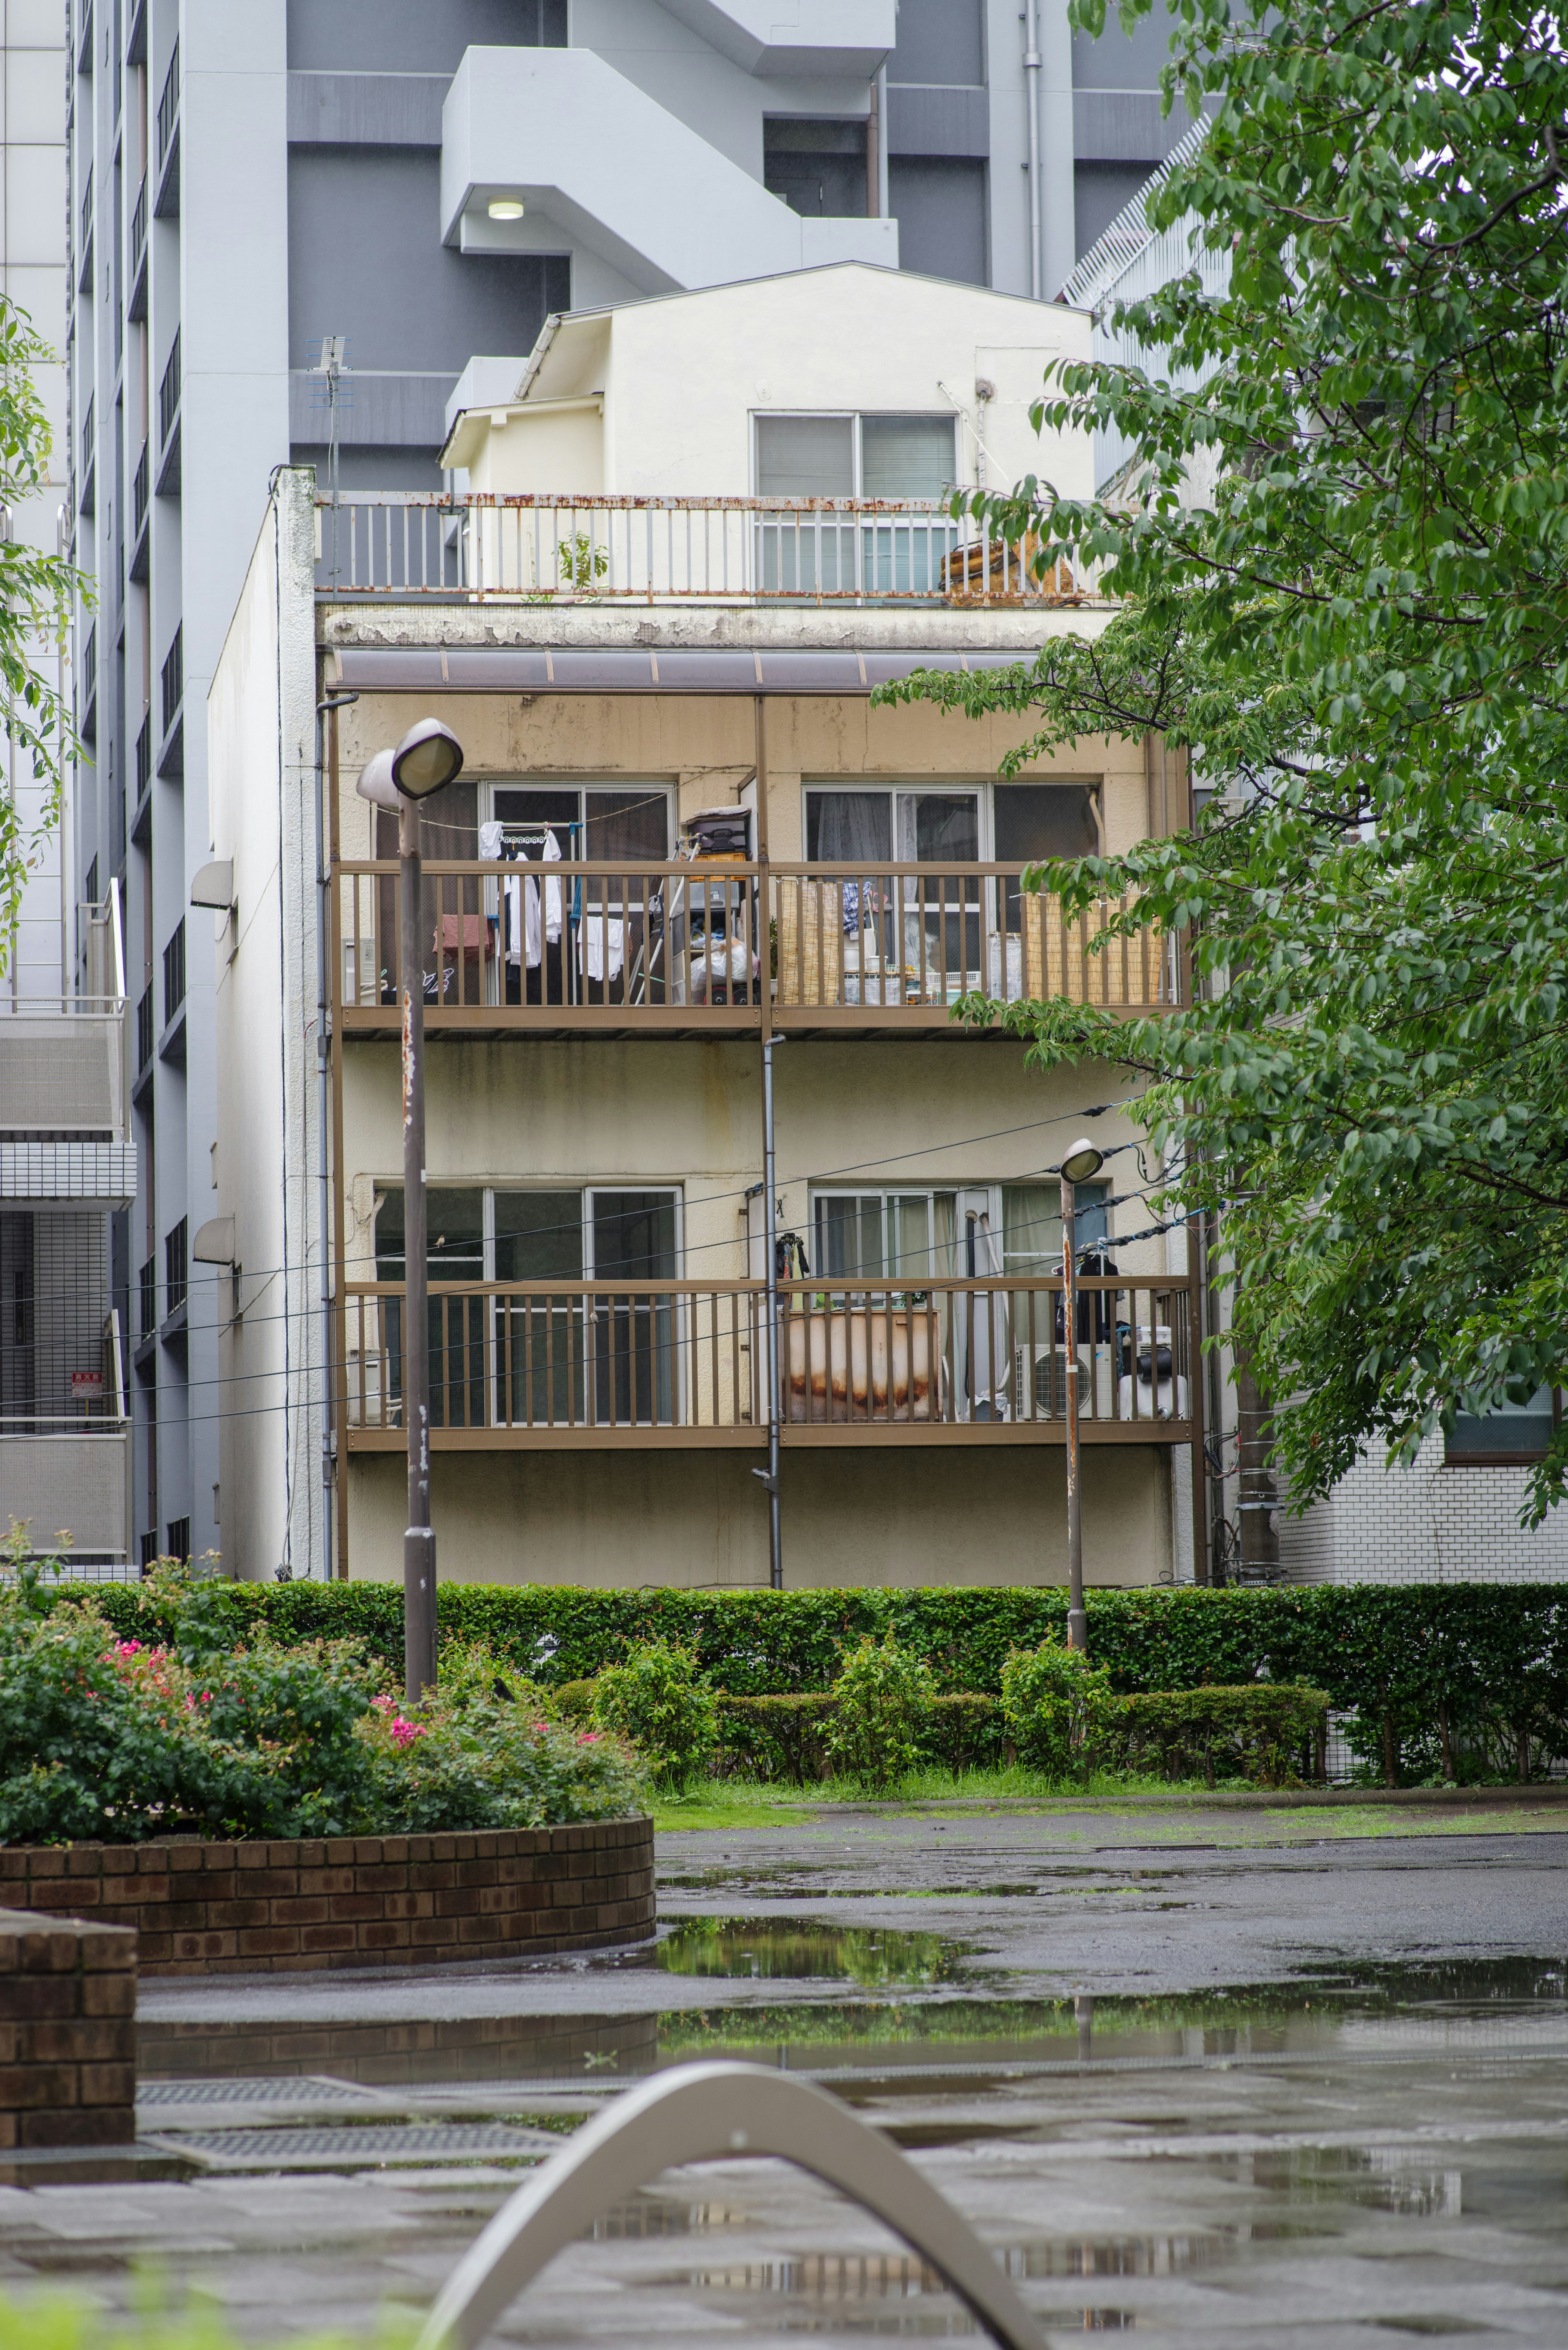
(1056, 207)
(880, 87)
(874, 153)
(1032, 100)
(333, 702)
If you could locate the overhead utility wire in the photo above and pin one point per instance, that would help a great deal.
(715, 1199)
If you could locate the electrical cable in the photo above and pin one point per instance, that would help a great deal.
(713, 1199)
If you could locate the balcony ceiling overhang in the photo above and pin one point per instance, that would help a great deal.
(519, 669)
(850, 37)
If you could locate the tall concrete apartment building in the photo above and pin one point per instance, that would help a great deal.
(65, 1166)
(428, 181)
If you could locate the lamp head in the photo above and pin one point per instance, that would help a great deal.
(1082, 1161)
(376, 783)
(429, 757)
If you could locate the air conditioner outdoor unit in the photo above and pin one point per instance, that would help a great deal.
(1049, 1400)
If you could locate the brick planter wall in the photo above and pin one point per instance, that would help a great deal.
(68, 2033)
(351, 1901)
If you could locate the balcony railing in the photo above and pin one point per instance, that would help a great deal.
(169, 391)
(174, 971)
(176, 1266)
(66, 1371)
(169, 104)
(172, 681)
(684, 1363)
(699, 945)
(140, 490)
(556, 550)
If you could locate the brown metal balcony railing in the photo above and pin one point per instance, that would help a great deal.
(695, 945)
(562, 548)
(676, 1363)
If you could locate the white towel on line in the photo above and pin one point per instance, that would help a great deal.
(525, 940)
(595, 933)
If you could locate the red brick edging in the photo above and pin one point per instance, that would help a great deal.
(350, 1901)
(68, 2033)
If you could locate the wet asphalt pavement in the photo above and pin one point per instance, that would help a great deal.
(1216, 2078)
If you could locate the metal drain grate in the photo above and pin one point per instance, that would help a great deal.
(351, 2147)
(308, 2089)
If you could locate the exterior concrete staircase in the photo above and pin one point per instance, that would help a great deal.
(609, 167)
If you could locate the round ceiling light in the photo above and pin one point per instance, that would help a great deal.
(505, 208)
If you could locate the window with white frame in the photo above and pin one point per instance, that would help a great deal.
(903, 460)
(944, 823)
(868, 1235)
(593, 823)
(1511, 1433)
(931, 935)
(852, 455)
(548, 1359)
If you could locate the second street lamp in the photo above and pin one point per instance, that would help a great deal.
(429, 757)
(1081, 1165)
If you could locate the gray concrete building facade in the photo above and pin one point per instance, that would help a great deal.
(429, 180)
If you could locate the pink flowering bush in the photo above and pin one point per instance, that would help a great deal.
(124, 1739)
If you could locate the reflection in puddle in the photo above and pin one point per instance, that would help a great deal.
(1449, 2009)
(1379, 2178)
(648, 2218)
(802, 1952)
(862, 2290)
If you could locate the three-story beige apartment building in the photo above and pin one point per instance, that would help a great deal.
(686, 539)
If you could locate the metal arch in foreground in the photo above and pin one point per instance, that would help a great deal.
(699, 2112)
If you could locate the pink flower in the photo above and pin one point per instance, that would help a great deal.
(587, 1738)
(385, 1704)
(405, 1733)
(128, 1648)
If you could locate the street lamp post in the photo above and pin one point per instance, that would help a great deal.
(427, 758)
(1081, 1165)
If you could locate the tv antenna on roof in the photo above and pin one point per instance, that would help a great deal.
(329, 366)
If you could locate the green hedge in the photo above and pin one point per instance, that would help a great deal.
(1432, 1671)
(1265, 1732)
(784, 1737)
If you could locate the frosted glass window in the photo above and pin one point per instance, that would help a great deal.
(906, 456)
(805, 456)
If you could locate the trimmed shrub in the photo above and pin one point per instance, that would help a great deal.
(1266, 1733)
(881, 1702)
(1060, 1707)
(775, 1737)
(659, 1703)
(573, 1700)
(785, 1738)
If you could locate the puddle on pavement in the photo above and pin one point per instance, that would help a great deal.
(801, 1950)
(922, 2021)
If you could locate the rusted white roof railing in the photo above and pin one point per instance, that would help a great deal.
(560, 549)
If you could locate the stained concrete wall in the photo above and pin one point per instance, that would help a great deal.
(940, 1111)
(909, 1516)
(706, 747)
